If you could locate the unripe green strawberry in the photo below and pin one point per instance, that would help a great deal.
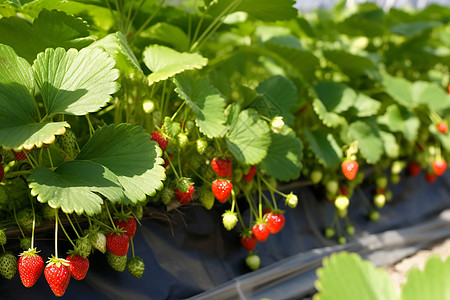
(379, 200)
(25, 219)
(25, 243)
(329, 232)
(167, 195)
(238, 174)
(342, 240)
(316, 176)
(183, 140)
(253, 261)
(201, 145)
(48, 212)
(2, 237)
(374, 216)
(118, 263)
(350, 230)
(83, 246)
(341, 202)
(98, 241)
(397, 167)
(183, 184)
(136, 267)
(229, 219)
(332, 187)
(68, 143)
(8, 265)
(8, 155)
(138, 211)
(381, 182)
(207, 198)
(291, 200)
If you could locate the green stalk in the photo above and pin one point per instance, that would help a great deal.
(56, 233)
(17, 221)
(65, 233)
(171, 165)
(132, 246)
(241, 221)
(71, 224)
(148, 20)
(34, 223)
(110, 217)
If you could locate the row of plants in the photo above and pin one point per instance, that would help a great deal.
(112, 108)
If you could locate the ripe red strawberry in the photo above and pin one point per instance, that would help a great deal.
(159, 138)
(57, 274)
(78, 266)
(275, 221)
(430, 177)
(223, 167)
(350, 168)
(184, 198)
(117, 243)
(442, 127)
(251, 173)
(20, 156)
(414, 169)
(260, 231)
(126, 223)
(222, 189)
(2, 172)
(248, 240)
(31, 266)
(439, 166)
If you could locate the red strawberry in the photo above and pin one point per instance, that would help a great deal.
(439, 167)
(20, 156)
(260, 231)
(248, 240)
(78, 266)
(159, 138)
(223, 167)
(30, 266)
(117, 243)
(430, 177)
(350, 168)
(275, 221)
(442, 127)
(251, 173)
(2, 172)
(222, 189)
(344, 191)
(57, 274)
(127, 224)
(414, 169)
(184, 198)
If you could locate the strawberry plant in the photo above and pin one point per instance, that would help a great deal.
(110, 110)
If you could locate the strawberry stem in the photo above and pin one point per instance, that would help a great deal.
(178, 110)
(50, 158)
(250, 204)
(259, 198)
(103, 224)
(132, 246)
(239, 215)
(56, 233)
(34, 222)
(91, 128)
(171, 165)
(233, 200)
(73, 227)
(110, 217)
(65, 233)
(17, 221)
(218, 145)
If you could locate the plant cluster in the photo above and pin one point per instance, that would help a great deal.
(111, 107)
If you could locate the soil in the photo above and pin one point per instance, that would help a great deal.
(398, 271)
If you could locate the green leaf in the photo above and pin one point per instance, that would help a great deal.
(414, 28)
(51, 29)
(278, 98)
(74, 185)
(117, 46)
(431, 283)
(325, 147)
(284, 157)
(346, 276)
(266, 10)
(119, 162)
(75, 83)
(351, 64)
(366, 106)
(127, 151)
(332, 99)
(369, 140)
(249, 138)
(391, 147)
(17, 114)
(399, 119)
(206, 102)
(165, 62)
(417, 93)
(167, 34)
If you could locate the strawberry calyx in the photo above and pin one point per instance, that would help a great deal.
(57, 261)
(30, 252)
